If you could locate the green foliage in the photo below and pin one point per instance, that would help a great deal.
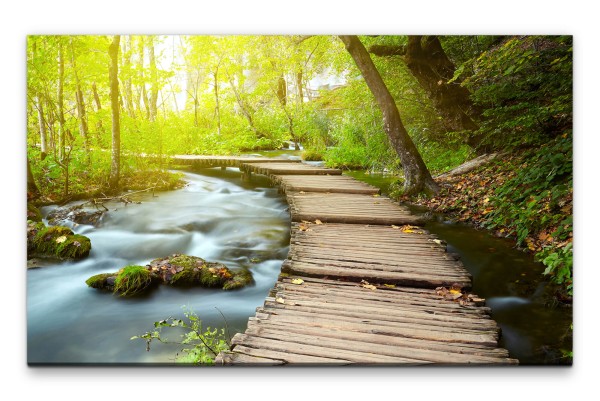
(559, 264)
(525, 87)
(201, 346)
(535, 199)
(132, 280)
(312, 154)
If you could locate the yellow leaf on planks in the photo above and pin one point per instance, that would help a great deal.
(279, 300)
(317, 221)
(365, 284)
(297, 281)
(390, 285)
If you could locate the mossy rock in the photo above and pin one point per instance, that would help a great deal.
(176, 270)
(56, 242)
(33, 213)
(103, 281)
(132, 280)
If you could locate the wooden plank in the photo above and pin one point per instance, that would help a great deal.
(460, 348)
(270, 169)
(348, 208)
(383, 292)
(377, 295)
(321, 351)
(376, 276)
(287, 356)
(320, 183)
(404, 317)
(417, 332)
(237, 358)
(422, 312)
(362, 342)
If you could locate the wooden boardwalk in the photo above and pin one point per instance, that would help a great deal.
(362, 284)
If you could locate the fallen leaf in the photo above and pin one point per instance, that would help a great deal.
(437, 241)
(61, 239)
(390, 285)
(376, 195)
(396, 227)
(297, 281)
(365, 284)
(317, 221)
(279, 300)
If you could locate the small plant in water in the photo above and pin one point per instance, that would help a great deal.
(201, 346)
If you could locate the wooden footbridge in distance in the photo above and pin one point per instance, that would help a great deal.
(363, 283)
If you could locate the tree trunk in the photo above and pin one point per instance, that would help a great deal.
(299, 87)
(99, 127)
(83, 127)
(127, 91)
(32, 190)
(43, 133)
(429, 64)
(416, 175)
(217, 108)
(246, 110)
(60, 102)
(153, 80)
(282, 90)
(142, 85)
(113, 52)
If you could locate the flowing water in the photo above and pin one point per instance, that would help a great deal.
(246, 225)
(216, 216)
(535, 328)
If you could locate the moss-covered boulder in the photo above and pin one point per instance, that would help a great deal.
(33, 213)
(55, 242)
(176, 270)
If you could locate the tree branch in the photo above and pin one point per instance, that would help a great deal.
(387, 51)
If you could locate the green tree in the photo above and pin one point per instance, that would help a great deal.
(113, 51)
(416, 175)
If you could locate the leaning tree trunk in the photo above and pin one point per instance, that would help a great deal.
(113, 52)
(416, 175)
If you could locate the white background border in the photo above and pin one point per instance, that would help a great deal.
(17, 20)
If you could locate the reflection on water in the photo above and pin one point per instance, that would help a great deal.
(216, 216)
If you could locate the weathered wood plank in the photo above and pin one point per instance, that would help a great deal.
(417, 332)
(423, 280)
(319, 183)
(322, 351)
(270, 169)
(459, 348)
(362, 342)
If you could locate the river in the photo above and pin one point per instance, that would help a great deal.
(220, 218)
(216, 216)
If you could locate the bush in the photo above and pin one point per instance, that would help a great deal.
(201, 345)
